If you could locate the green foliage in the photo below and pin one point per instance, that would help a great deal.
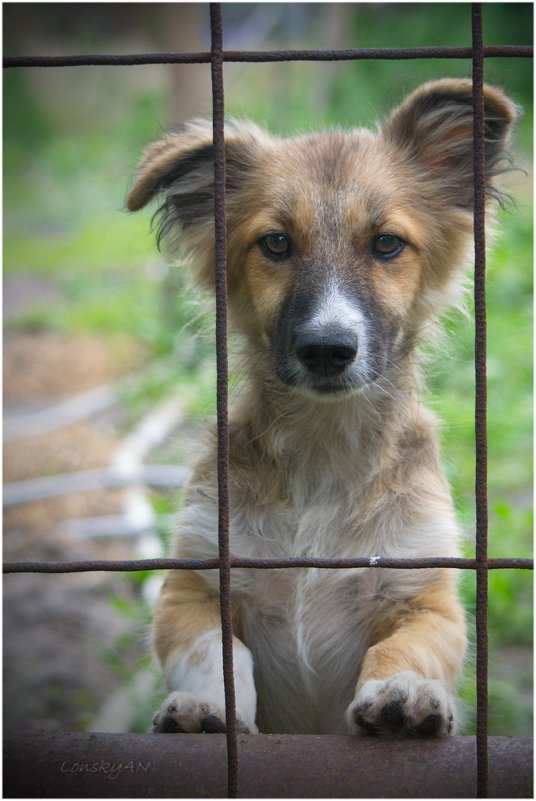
(303, 95)
(510, 333)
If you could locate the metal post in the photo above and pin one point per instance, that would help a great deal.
(222, 394)
(481, 454)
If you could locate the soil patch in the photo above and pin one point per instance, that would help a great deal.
(38, 366)
(63, 635)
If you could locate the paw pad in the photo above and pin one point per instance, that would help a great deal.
(430, 726)
(170, 726)
(212, 725)
(393, 712)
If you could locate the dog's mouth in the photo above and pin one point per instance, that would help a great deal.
(322, 389)
(328, 392)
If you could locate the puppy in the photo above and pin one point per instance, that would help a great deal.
(341, 248)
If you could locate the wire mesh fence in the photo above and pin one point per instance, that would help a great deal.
(481, 564)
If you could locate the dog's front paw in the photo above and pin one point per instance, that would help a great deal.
(403, 705)
(184, 713)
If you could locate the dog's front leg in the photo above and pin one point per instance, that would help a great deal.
(187, 638)
(406, 684)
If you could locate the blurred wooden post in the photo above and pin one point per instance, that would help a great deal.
(182, 26)
(332, 28)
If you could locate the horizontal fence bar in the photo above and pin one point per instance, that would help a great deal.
(253, 56)
(133, 565)
(62, 765)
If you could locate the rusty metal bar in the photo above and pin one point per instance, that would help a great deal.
(220, 260)
(481, 445)
(254, 56)
(61, 765)
(133, 565)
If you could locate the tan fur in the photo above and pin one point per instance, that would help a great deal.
(183, 595)
(331, 451)
(430, 618)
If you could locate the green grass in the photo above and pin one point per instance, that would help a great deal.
(65, 179)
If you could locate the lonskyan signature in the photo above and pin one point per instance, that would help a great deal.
(112, 769)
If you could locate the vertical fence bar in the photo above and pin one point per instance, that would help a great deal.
(222, 394)
(481, 452)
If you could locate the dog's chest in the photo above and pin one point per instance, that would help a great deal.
(306, 627)
(308, 631)
(320, 531)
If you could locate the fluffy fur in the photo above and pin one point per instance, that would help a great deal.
(341, 248)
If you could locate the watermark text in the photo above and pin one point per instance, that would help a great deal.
(111, 769)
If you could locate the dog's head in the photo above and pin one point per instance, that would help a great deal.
(340, 244)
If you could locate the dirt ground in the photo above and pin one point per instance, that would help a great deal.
(47, 366)
(59, 628)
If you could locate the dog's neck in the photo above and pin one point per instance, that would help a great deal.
(317, 441)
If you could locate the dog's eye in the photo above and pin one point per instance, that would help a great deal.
(276, 245)
(387, 246)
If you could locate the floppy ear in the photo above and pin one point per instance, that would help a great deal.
(185, 155)
(179, 170)
(434, 128)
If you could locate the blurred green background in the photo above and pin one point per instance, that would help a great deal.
(72, 138)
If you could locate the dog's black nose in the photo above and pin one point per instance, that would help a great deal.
(326, 355)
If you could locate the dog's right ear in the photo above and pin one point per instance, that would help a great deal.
(179, 170)
(182, 155)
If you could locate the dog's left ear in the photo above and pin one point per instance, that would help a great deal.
(434, 128)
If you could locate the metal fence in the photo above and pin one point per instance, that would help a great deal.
(226, 562)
